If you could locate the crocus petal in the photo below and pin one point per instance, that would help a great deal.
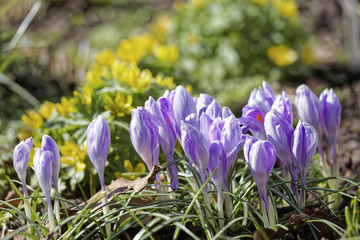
(183, 106)
(98, 143)
(226, 112)
(202, 103)
(48, 144)
(230, 138)
(195, 147)
(205, 125)
(29, 142)
(268, 90)
(217, 160)
(215, 131)
(331, 112)
(214, 110)
(43, 162)
(283, 106)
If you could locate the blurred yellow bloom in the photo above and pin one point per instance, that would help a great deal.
(24, 134)
(86, 96)
(73, 155)
(167, 82)
(94, 76)
(33, 119)
(282, 55)
(65, 107)
(119, 106)
(197, 3)
(118, 70)
(105, 58)
(128, 51)
(166, 53)
(145, 42)
(189, 88)
(36, 144)
(161, 26)
(46, 109)
(140, 168)
(287, 8)
(179, 5)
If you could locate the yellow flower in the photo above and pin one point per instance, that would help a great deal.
(140, 168)
(128, 51)
(165, 82)
(282, 55)
(118, 69)
(36, 144)
(65, 107)
(179, 5)
(105, 58)
(73, 155)
(166, 53)
(46, 109)
(145, 42)
(137, 79)
(94, 76)
(86, 96)
(307, 56)
(118, 106)
(24, 134)
(189, 88)
(33, 119)
(287, 8)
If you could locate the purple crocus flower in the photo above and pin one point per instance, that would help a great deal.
(144, 136)
(48, 144)
(162, 111)
(309, 110)
(217, 159)
(226, 112)
(98, 143)
(183, 105)
(260, 156)
(214, 110)
(283, 106)
(331, 113)
(195, 148)
(21, 157)
(304, 144)
(279, 132)
(202, 103)
(205, 125)
(43, 162)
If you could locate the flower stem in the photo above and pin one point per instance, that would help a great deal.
(50, 214)
(220, 210)
(106, 210)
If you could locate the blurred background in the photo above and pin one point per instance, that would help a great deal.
(220, 47)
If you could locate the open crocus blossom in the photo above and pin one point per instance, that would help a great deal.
(309, 110)
(21, 160)
(98, 143)
(260, 156)
(48, 144)
(304, 144)
(43, 162)
(331, 113)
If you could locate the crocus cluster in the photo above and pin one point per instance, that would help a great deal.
(46, 167)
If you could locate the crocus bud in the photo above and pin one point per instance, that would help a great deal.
(183, 106)
(283, 106)
(304, 144)
(48, 144)
(331, 113)
(195, 148)
(43, 162)
(144, 136)
(260, 159)
(21, 160)
(97, 144)
(202, 103)
(214, 110)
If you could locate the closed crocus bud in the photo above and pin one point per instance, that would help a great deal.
(144, 136)
(230, 139)
(195, 148)
(97, 144)
(48, 144)
(43, 162)
(331, 112)
(205, 125)
(217, 160)
(268, 90)
(283, 106)
(261, 160)
(304, 144)
(21, 160)
(183, 106)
